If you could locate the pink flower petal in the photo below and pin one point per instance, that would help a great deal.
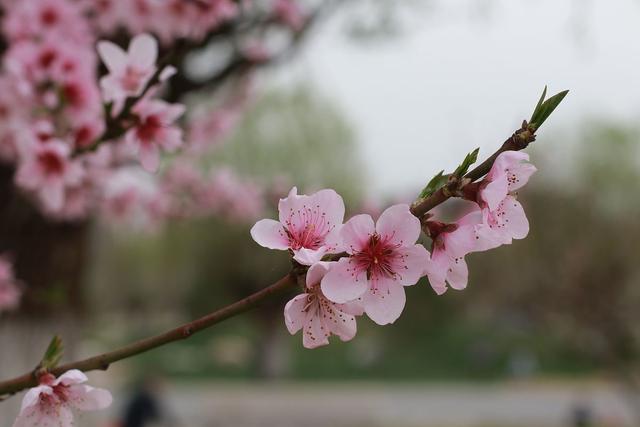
(317, 272)
(45, 416)
(73, 376)
(315, 334)
(149, 157)
(171, 139)
(458, 274)
(398, 226)
(356, 232)
(306, 256)
(167, 72)
(344, 282)
(32, 396)
(170, 112)
(461, 241)
(87, 398)
(295, 314)
(494, 192)
(517, 224)
(385, 301)
(331, 204)
(112, 55)
(414, 258)
(52, 195)
(436, 269)
(270, 234)
(143, 50)
(322, 211)
(343, 325)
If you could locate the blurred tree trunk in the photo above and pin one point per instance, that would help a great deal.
(49, 257)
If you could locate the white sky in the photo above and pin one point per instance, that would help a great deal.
(459, 79)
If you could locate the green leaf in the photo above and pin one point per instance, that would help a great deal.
(53, 354)
(434, 185)
(544, 108)
(470, 159)
(541, 100)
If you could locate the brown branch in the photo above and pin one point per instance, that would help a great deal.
(103, 361)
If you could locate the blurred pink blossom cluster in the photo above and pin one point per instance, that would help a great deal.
(361, 266)
(76, 145)
(220, 192)
(169, 19)
(10, 291)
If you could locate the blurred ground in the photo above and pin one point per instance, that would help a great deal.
(377, 404)
(540, 404)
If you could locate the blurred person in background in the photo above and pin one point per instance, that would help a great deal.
(146, 405)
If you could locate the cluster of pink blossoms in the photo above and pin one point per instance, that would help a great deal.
(54, 107)
(362, 267)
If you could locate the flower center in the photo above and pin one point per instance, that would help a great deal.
(149, 128)
(49, 17)
(377, 257)
(51, 163)
(132, 78)
(307, 228)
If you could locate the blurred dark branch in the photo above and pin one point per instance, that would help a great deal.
(241, 63)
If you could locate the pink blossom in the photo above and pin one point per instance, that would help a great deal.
(207, 130)
(51, 403)
(186, 187)
(169, 19)
(86, 130)
(308, 226)
(502, 217)
(383, 258)
(154, 131)
(10, 291)
(498, 227)
(133, 198)
(317, 316)
(81, 96)
(182, 19)
(447, 264)
(509, 172)
(42, 19)
(129, 72)
(234, 198)
(50, 61)
(107, 14)
(47, 171)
